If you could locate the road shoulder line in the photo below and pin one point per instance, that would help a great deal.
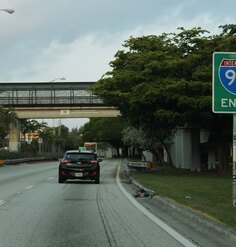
(164, 226)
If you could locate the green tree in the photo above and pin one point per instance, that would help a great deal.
(48, 137)
(107, 130)
(162, 82)
(55, 139)
(61, 137)
(74, 139)
(28, 126)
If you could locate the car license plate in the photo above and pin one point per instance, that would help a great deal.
(78, 174)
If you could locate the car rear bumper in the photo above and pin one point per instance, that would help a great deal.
(78, 174)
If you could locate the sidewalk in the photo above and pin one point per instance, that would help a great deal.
(199, 221)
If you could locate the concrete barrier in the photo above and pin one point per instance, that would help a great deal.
(25, 160)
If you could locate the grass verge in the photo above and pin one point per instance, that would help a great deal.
(208, 193)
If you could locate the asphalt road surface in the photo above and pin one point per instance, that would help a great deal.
(35, 210)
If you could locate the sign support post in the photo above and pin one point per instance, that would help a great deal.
(234, 161)
(224, 97)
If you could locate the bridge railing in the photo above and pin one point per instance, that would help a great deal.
(62, 100)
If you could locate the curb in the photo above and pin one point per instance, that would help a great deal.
(196, 218)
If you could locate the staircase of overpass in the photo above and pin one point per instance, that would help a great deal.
(49, 100)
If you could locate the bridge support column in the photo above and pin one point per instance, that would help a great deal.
(14, 136)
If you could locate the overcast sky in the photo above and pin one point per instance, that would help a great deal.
(75, 39)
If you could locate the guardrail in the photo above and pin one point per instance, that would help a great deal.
(138, 165)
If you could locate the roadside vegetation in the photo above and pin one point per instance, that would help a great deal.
(55, 140)
(162, 82)
(208, 193)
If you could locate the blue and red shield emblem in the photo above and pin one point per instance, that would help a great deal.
(227, 74)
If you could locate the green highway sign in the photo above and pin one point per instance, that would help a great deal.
(224, 82)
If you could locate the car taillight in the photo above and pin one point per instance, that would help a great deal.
(66, 161)
(91, 162)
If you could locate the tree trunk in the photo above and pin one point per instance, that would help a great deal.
(158, 156)
(168, 153)
(125, 151)
(118, 152)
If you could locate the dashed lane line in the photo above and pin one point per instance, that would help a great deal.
(2, 202)
(30, 187)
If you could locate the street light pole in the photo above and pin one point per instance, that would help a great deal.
(9, 11)
(60, 78)
(59, 127)
(234, 161)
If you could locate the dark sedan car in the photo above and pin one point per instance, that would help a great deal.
(79, 165)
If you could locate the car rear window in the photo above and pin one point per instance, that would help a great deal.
(79, 156)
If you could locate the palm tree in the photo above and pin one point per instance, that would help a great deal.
(31, 126)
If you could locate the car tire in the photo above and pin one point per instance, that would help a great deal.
(60, 178)
(97, 180)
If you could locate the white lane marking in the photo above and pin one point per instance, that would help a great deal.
(51, 178)
(29, 187)
(164, 226)
(2, 202)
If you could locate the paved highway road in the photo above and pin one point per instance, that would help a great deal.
(37, 211)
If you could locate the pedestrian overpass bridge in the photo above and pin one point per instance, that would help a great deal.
(48, 100)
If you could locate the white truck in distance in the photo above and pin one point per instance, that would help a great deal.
(92, 146)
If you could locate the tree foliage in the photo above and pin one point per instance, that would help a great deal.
(104, 130)
(28, 126)
(162, 82)
(74, 139)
